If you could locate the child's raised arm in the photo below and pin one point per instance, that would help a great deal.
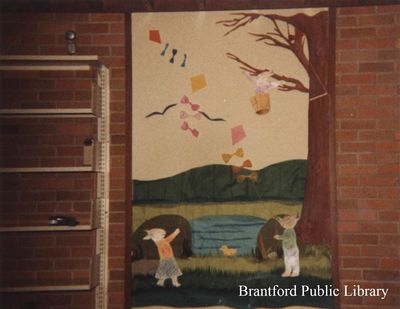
(172, 236)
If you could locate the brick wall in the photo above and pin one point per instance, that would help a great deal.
(368, 147)
(60, 257)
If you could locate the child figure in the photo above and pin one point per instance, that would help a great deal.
(289, 245)
(168, 268)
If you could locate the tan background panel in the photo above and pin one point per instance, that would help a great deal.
(160, 147)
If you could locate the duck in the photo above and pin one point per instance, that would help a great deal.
(228, 251)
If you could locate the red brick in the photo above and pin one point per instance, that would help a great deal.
(72, 264)
(388, 147)
(357, 147)
(115, 39)
(389, 215)
(346, 44)
(389, 193)
(360, 262)
(358, 215)
(376, 135)
(362, 192)
(377, 90)
(385, 227)
(388, 54)
(75, 241)
(346, 90)
(391, 78)
(375, 20)
(360, 33)
(350, 274)
(346, 67)
(116, 298)
(346, 21)
(52, 252)
(376, 44)
(91, 28)
(358, 78)
(345, 113)
(389, 169)
(71, 18)
(356, 10)
(117, 274)
(358, 124)
(379, 158)
(379, 251)
(346, 181)
(389, 239)
(34, 265)
(379, 181)
(117, 28)
(381, 275)
(346, 159)
(348, 227)
(348, 250)
(116, 263)
(388, 32)
(358, 169)
(390, 263)
(99, 17)
(377, 204)
(361, 239)
(376, 67)
(392, 9)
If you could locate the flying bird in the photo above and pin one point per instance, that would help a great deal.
(161, 113)
(211, 119)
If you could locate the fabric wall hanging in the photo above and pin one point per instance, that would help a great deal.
(230, 163)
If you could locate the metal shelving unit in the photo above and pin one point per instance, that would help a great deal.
(100, 164)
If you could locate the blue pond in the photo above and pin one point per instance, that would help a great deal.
(211, 232)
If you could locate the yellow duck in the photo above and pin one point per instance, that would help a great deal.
(228, 251)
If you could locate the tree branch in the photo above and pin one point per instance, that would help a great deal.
(289, 85)
(236, 23)
(274, 42)
(294, 42)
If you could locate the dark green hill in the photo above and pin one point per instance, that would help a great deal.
(216, 183)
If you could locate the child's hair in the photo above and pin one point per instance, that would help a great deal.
(153, 232)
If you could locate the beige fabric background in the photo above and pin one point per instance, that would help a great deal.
(160, 148)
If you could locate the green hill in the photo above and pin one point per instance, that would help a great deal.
(216, 183)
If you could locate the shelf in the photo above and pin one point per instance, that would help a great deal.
(46, 228)
(93, 282)
(48, 112)
(94, 223)
(67, 58)
(94, 161)
(83, 287)
(47, 63)
(73, 169)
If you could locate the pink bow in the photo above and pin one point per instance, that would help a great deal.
(185, 126)
(186, 115)
(185, 100)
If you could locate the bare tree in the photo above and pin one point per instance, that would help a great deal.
(292, 33)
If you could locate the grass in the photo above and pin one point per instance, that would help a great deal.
(314, 261)
(202, 288)
(261, 209)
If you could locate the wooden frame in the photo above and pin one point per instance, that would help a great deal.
(128, 156)
(128, 6)
(332, 154)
